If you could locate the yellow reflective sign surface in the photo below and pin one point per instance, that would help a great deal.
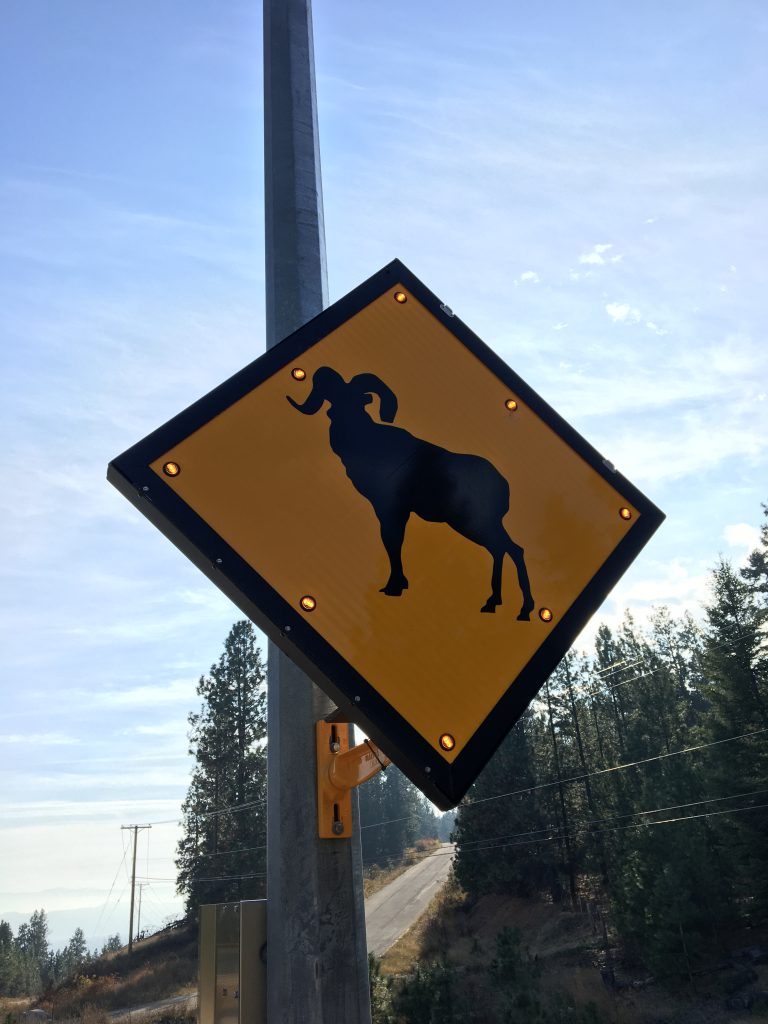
(265, 477)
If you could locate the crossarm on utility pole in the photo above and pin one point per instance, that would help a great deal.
(339, 770)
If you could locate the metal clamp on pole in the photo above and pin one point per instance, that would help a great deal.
(339, 770)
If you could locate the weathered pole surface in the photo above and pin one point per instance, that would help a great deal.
(317, 969)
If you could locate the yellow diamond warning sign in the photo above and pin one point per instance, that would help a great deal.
(403, 515)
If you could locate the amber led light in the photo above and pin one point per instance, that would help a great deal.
(401, 297)
(308, 603)
(511, 404)
(625, 513)
(447, 742)
(545, 614)
(171, 469)
(298, 374)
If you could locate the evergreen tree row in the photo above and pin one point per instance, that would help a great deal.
(573, 828)
(27, 964)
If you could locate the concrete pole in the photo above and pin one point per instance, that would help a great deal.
(317, 967)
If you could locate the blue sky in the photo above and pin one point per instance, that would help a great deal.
(584, 185)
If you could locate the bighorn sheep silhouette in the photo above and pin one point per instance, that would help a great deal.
(400, 474)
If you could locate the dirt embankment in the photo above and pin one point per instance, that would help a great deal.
(570, 951)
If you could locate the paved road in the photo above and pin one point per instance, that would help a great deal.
(392, 910)
(149, 1009)
(388, 914)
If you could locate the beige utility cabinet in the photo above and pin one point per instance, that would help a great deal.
(232, 973)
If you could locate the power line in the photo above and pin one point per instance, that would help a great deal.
(614, 768)
(232, 878)
(391, 821)
(617, 666)
(614, 817)
(623, 666)
(619, 828)
(95, 929)
(209, 814)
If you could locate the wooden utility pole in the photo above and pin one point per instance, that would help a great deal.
(142, 887)
(135, 829)
(317, 964)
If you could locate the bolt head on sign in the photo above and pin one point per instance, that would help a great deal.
(400, 513)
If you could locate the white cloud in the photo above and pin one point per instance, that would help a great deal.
(690, 447)
(530, 275)
(742, 536)
(40, 739)
(595, 257)
(177, 691)
(559, 326)
(622, 313)
(171, 728)
(680, 586)
(655, 328)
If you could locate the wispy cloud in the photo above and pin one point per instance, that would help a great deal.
(623, 313)
(596, 256)
(744, 538)
(40, 739)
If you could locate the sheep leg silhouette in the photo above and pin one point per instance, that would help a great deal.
(392, 534)
(506, 546)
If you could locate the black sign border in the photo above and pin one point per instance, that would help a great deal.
(445, 784)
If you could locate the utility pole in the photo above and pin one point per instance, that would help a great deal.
(317, 964)
(135, 829)
(142, 887)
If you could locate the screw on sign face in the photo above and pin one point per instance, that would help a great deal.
(400, 474)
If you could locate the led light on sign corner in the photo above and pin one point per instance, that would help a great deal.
(447, 742)
(308, 603)
(401, 297)
(545, 614)
(298, 373)
(171, 469)
(625, 513)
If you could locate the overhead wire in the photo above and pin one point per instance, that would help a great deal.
(209, 814)
(616, 817)
(613, 768)
(603, 673)
(95, 928)
(615, 828)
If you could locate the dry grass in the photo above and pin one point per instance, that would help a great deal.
(162, 966)
(463, 933)
(11, 1009)
(430, 936)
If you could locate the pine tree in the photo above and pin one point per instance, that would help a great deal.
(32, 954)
(74, 954)
(736, 661)
(505, 842)
(392, 817)
(112, 945)
(9, 961)
(755, 572)
(221, 855)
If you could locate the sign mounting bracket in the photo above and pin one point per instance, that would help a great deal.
(339, 770)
